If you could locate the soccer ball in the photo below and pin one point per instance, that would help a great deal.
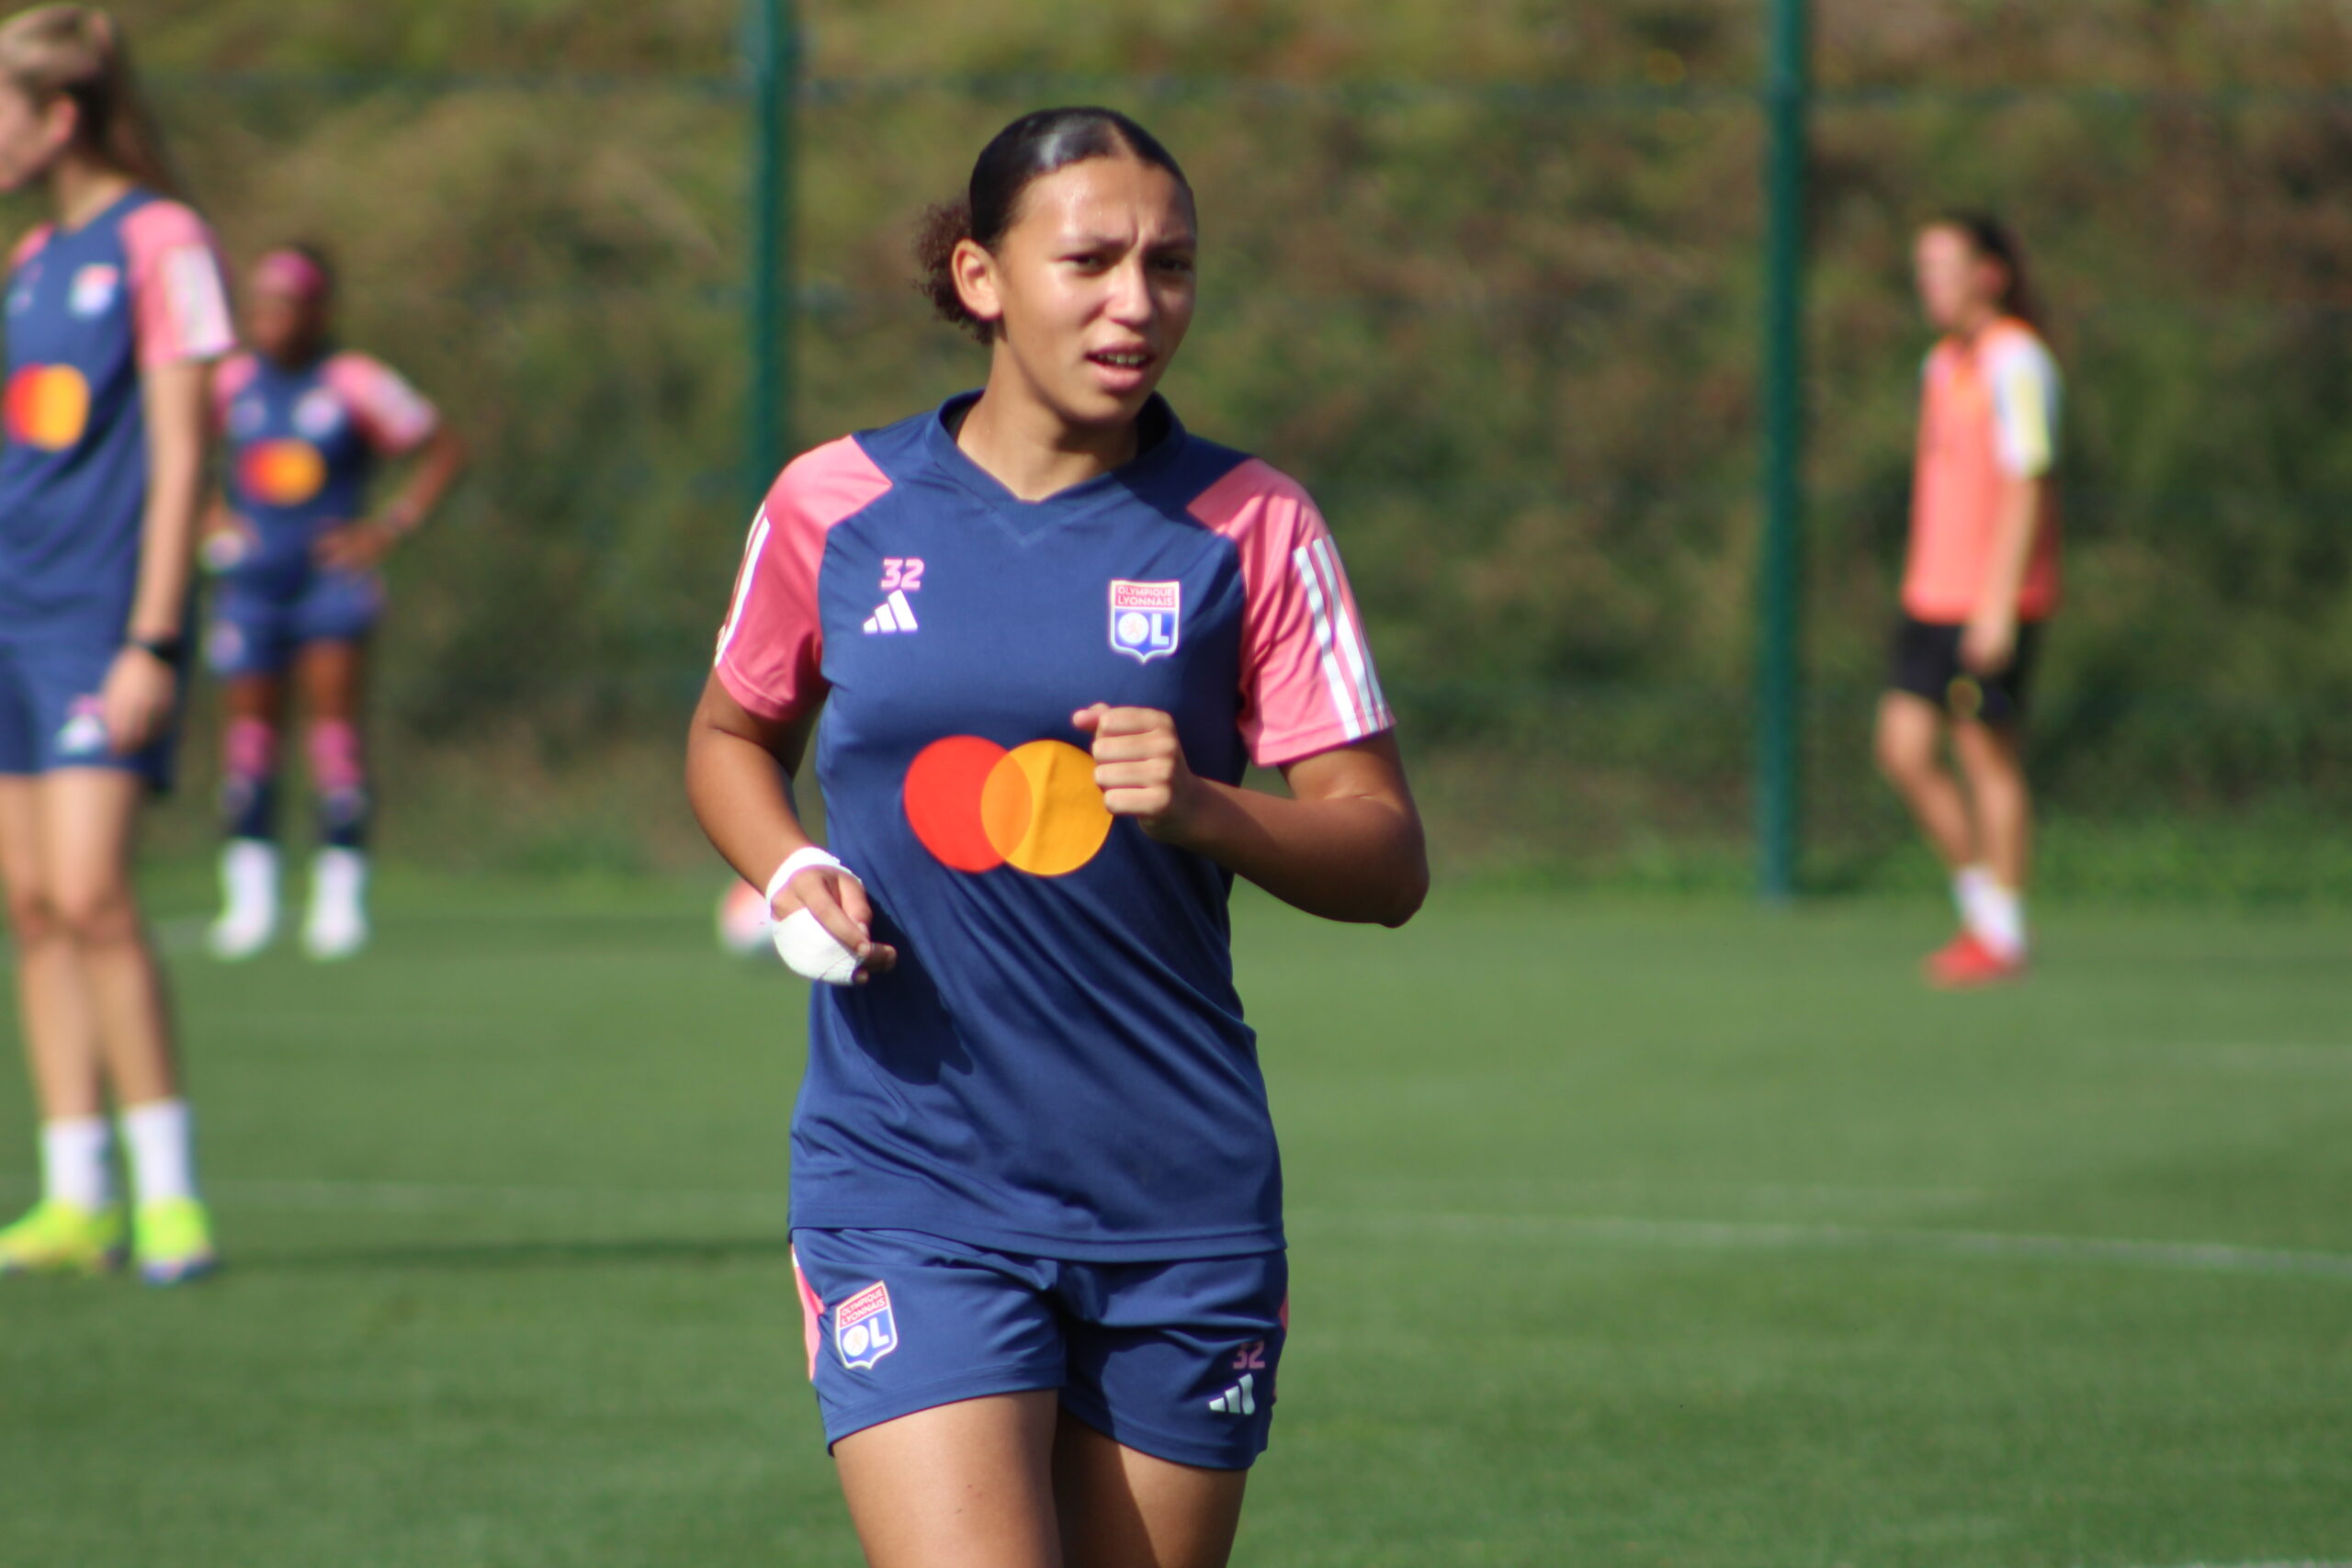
(744, 923)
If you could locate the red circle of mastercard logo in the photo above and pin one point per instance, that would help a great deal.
(48, 406)
(282, 473)
(975, 806)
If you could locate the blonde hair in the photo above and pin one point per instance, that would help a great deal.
(78, 51)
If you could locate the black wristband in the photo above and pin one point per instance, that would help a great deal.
(167, 649)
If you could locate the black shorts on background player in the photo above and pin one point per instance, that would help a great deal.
(1925, 662)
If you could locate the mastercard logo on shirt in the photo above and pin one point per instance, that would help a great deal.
(975, 806)
(282, 473)
(48, 406)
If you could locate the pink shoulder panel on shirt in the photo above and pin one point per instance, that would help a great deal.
(394, 416)
(235, 374)
(178, 300)
(30, 245)
(1306, 673)
(773, 645)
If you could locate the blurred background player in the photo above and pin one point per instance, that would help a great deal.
(115, 310)
(1981, 577)
(306, 425)
(1036, 1204)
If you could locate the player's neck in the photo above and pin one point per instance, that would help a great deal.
(80, 187)
(1973, 322)
(1034, 452)
(297, 356)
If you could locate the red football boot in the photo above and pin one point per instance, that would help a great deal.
(1964, 964)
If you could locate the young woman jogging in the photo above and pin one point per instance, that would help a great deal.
(1036, 1205)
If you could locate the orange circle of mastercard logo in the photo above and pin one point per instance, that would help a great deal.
(48, 406)
(282, 473)
(976, 806)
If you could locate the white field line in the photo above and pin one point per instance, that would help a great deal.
(1784, 1194)
(1720, 1235)
(1682, 1236)
(2306, 1563)
(2263, 1058)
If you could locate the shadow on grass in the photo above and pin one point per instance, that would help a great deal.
(708, 1252)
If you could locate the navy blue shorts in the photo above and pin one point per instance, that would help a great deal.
(52, 716)
(259, 620)
(1175, 1360)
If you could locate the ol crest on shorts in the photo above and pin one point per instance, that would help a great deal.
(1145, 618)
(864, 1328)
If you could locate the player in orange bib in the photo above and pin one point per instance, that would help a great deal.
(1981, 578)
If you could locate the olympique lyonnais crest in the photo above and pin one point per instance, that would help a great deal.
(865, 1330)
(1145, 618)
(94, 289)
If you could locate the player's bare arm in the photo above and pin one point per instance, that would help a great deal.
(143, 686)
(1347, 845)
(737, 765)
(1990, 637)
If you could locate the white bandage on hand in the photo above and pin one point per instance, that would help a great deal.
(801, 860)
(807, 949)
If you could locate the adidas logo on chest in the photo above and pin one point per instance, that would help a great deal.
(901, 575)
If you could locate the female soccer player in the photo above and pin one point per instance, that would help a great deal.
(306, 425)
(1983, 575)
(1037, 1208)
(116, 310)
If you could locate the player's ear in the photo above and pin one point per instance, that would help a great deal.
(61, 122)
(974, 270)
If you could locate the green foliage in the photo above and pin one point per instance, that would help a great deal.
(1483, 275)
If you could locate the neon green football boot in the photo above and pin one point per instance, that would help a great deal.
(173, 1241)
(58, 1237)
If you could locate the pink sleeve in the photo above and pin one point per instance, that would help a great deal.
(772, 647)
(393, 415)
(236, 373)
(30, 245)
(1307, 682)
(178, 300)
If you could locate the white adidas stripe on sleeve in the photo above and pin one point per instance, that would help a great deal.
(743, 583)
(1342, 701)
(1349, 637)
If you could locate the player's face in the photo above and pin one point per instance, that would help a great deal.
(1957, 286)
(1094, 283)
(30, 138)
(282, 326)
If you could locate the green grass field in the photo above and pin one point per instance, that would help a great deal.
(1631, 1233)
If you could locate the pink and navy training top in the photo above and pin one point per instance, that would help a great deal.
(305, 443)
(1058, 1065)
(87, 310)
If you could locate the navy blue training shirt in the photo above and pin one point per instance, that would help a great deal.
(1058, 1064)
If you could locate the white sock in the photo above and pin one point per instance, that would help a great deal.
(249, 873)
(339, 877)
(74, 1165)
(1996, 916)
(1969, 885)
(162, 1152)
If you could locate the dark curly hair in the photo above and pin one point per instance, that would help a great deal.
(1029, 149)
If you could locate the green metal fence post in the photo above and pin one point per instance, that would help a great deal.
(1779, 695)
(772, 53)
